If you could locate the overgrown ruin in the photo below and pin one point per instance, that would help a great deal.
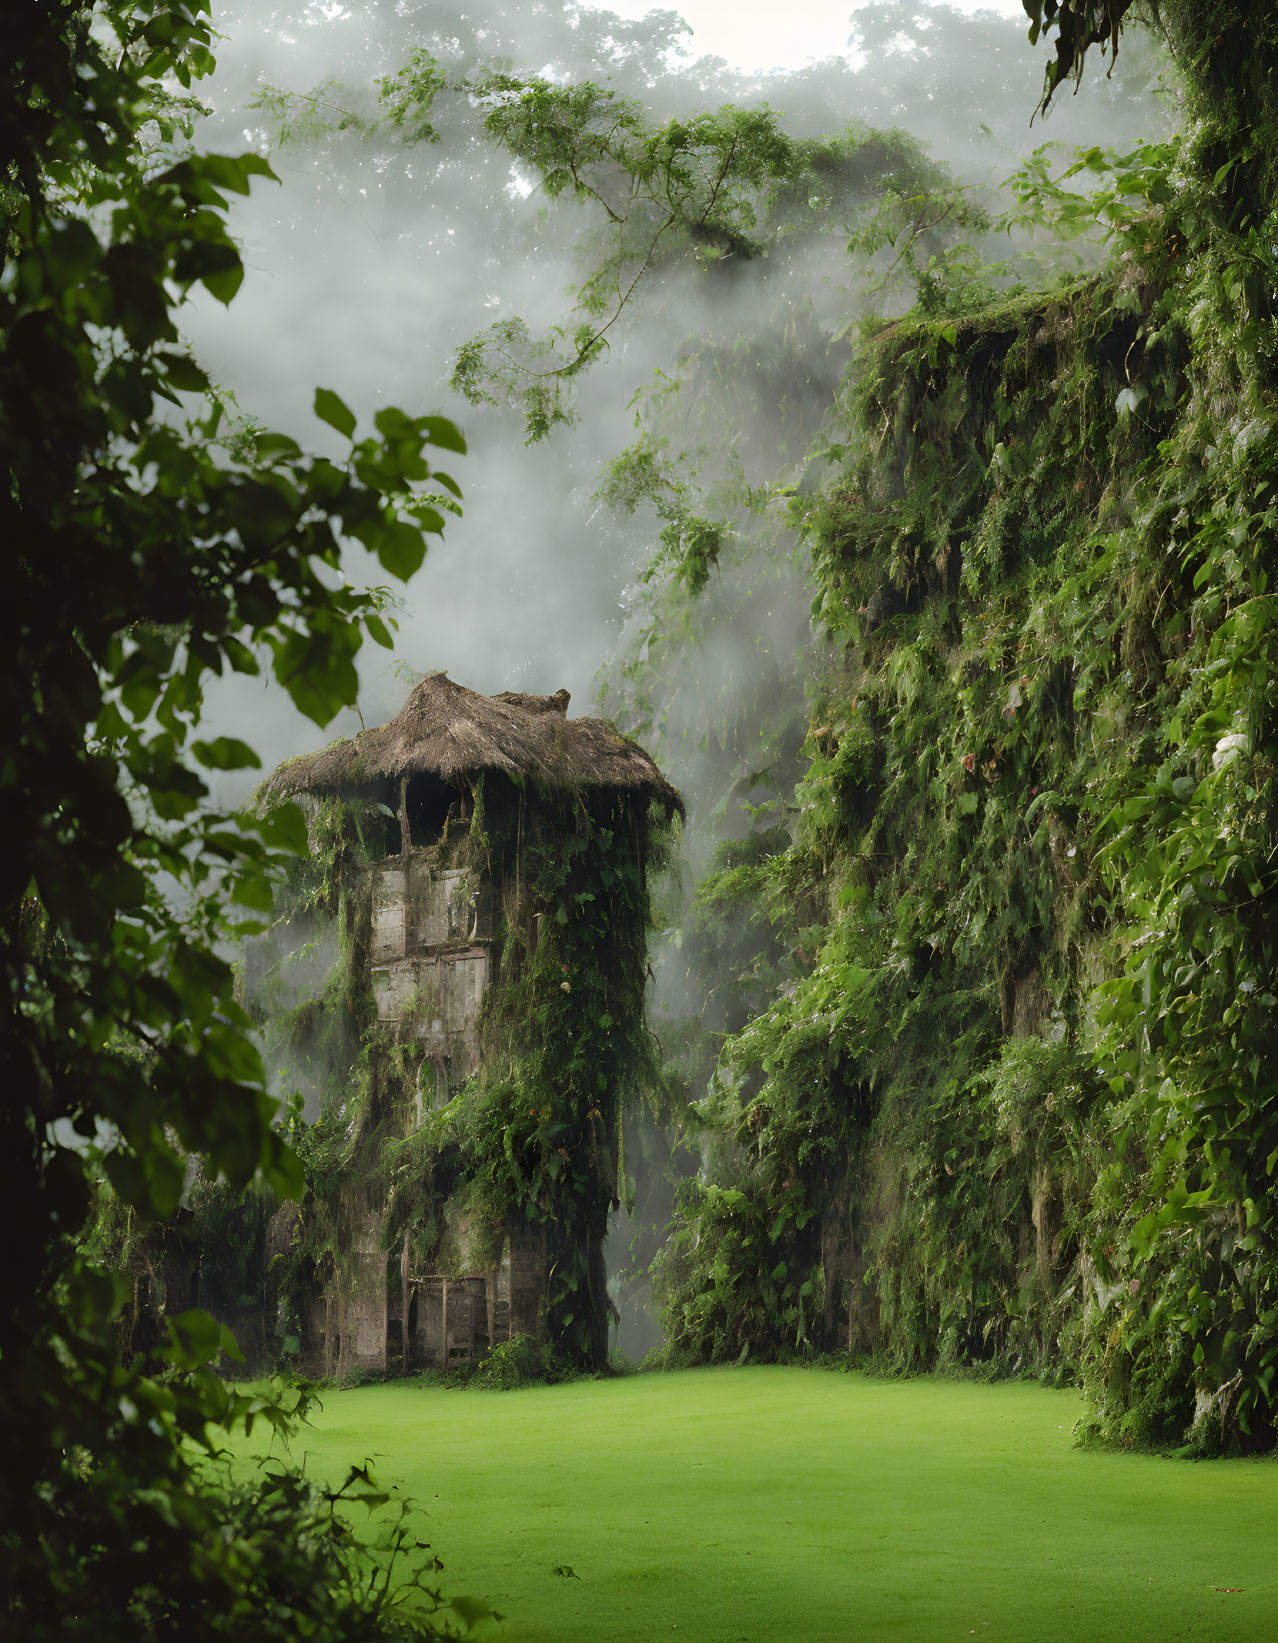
(481, 864)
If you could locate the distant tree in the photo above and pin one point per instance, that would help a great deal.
(148, 543)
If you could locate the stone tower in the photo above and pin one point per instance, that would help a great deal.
(465, 804)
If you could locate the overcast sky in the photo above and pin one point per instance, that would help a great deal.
(759, 34)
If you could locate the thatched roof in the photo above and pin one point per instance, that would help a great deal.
(451, 732)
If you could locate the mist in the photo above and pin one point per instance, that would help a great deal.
(376, 259)
(373, 261)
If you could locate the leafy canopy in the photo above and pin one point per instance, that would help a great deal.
(152, 543)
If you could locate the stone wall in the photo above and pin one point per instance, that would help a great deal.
(453, 1320)
(432, 958)
(362, 1300)
(431, 952)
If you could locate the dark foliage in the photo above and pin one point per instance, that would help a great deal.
(144, 552)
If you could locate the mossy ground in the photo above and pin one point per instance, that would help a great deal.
(768, 1504)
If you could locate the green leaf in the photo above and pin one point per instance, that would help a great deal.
(377, 630)
(401, 549)
(268, 444)
(151, 1182)
(283, 827)
(224, 282)
(232, 171)
(225, 753)
(252, 890)
(394, 424)
(333, 410)
(194, 1338)
(183, 373)
(241, 657)
(1129, 400)
(440, 431)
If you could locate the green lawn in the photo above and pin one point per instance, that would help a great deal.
(783, 1504)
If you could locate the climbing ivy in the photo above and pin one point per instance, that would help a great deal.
(536, 1131)
(1023, 1086)
(565, 1047)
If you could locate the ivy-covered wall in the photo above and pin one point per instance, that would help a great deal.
(524, 1148)
(1015, 1101)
